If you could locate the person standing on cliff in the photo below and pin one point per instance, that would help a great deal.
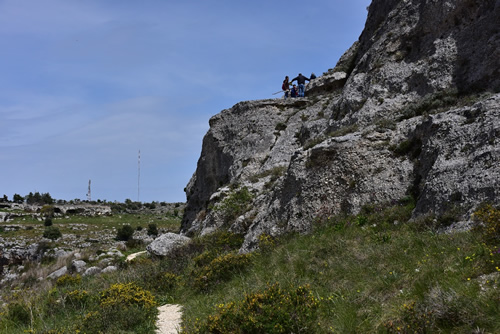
(301, 80)
(285, 86)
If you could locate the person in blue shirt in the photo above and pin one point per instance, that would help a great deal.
(301, 81)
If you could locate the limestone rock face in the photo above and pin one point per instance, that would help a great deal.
(460, 160)
(411, 109)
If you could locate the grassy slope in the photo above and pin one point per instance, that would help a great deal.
(369, 277)
(368, 274)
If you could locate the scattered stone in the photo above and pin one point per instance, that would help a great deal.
(78, 266)
(58, 273)
(109, 269)
(92, 271)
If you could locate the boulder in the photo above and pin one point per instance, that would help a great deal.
(109, 269)
(58, 273)
(92, 271)
(78, 266)
(165, 243)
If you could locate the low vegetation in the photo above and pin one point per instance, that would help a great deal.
(375, 272)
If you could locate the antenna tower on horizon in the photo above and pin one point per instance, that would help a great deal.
(138, 175)
(89, 197)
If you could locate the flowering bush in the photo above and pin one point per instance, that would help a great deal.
(122, 307)
(125, 295)
(266, 242)
(274, 310)
(77, 298)
(66, 280)
(489, 223)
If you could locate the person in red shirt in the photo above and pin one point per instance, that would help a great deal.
(285, 86)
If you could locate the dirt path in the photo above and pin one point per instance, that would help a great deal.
(169, 319)
(134, 255)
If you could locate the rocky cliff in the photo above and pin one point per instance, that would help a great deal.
(412, 109)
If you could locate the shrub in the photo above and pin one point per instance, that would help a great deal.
(219, 269)
(344, 131)
(77, 298)
(488, 218)
(47, 222)
(410, 147)
(215, 244)
(52, 233)
(431, 103)
(274, 310)
(18, 313)
(123, 307)
(124, 233)
(152, 229)
(234, 204)
(266, 242)
(204, 258)
(167, 282)
(66, 280)
(125, 295)
(47, 211)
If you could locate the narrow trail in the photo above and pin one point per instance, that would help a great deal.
(170, 315)
(169, 319)
(134, 255)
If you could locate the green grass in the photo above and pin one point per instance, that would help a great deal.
(89, 227)
(371, 273)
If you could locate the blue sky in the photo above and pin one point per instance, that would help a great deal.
(85, 85)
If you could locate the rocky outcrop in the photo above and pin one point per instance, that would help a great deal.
(411, 109)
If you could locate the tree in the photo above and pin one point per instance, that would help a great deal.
(38, 198)
(47, 199)
(17, 198)
(124, 233)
